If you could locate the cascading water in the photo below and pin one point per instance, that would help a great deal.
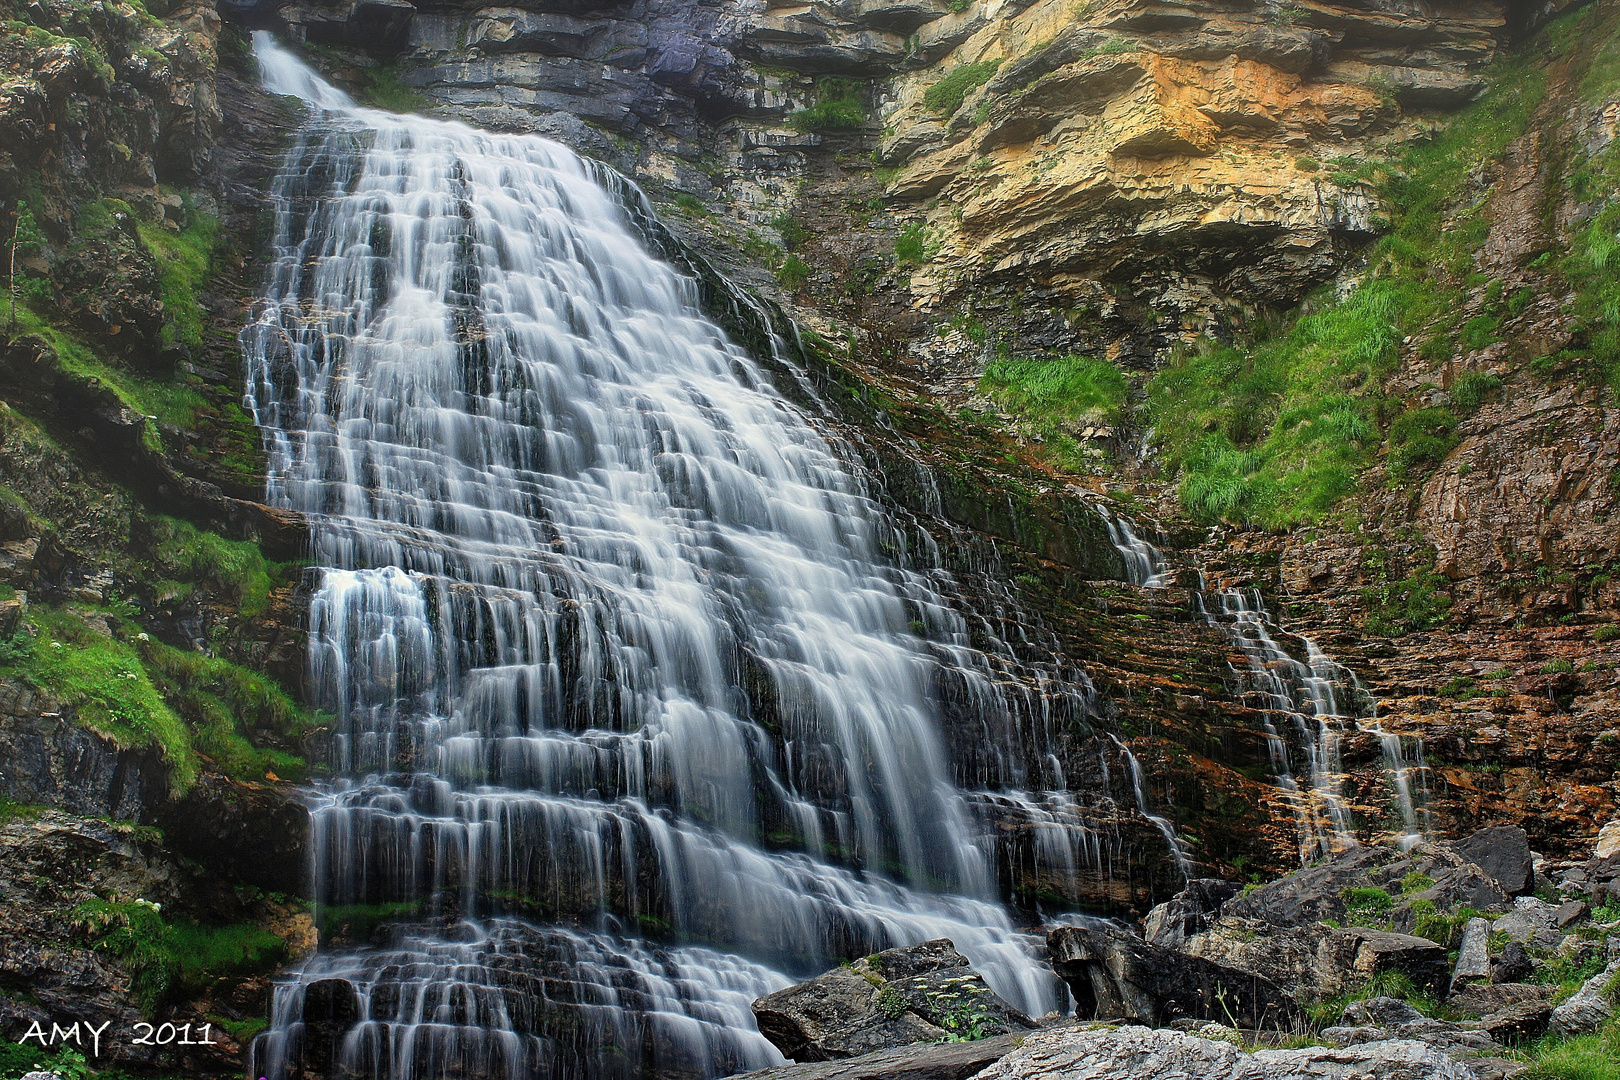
(1307, 693)
(618, 660)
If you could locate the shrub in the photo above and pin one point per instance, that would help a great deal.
(793, 273)
(911, 246)
(947, 95)
(840, 105)
(1470, 391)
(1605, 634)
(1557, 667)
(793, 231)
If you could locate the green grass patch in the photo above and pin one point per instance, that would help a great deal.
(1584, 1057)
(222, 702)
(1278, 431)
(236, 567)
(911, 246)
(185, 260)
(104, 679)
(946, 96)
(167, 959)
(1069, 388)
(840, 105)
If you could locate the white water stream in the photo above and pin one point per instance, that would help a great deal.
(1316, 696)
(637, 711)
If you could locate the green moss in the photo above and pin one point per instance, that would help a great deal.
(237, 567)
(223, 703)
(357, 921)
(104, 679)
(167, 959)
(184, 260)
(383, 90)
(947, 95)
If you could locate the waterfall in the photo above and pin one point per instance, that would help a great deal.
(1306, 693)
(638, 710)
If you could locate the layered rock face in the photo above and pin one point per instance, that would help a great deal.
(1194, 159)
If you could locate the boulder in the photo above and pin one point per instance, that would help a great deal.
(1525, 1020)
(1312, 894)
(1473, 954)
(1568, 912)
(1187, 913)
(1511, 965)
(1503, 852)
(923, 993)
(1589, 1008)
(1482, 1001)
(1528, 917)
(1608, 841)
(1118, 976)
(1098, 1053)
(1381, 1012)
(1321, 961)
(1373, 952)
(919, 1061)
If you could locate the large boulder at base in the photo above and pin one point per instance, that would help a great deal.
(1187, 913)
(1118, 976)
(1320, 961)
(919, 1061)
(1316, 893)
(924, 993)
(1588, 1008)
(1503, 852)
(1312, 894)
(1117, 1053)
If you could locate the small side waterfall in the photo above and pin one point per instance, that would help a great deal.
(644, 704)
(1316, 696)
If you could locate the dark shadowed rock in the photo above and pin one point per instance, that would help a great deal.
(1117, 976)
(1382, 1012)
(1514, 1023)
(1373, 952)
(1511, 965)
(1312, 894)
(1503, 852)
(1485, 1000)
(1189, 912)
(924, 993)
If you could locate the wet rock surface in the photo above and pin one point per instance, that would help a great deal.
(924, 993)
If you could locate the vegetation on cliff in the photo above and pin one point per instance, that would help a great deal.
(1277, 430)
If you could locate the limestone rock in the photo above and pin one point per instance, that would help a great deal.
(1608, 841)
(1117, 976)
(1484, 1000)
(1105, 1054)
(894, 998)
(1473, 954)
(1589, 1008)
(1528, 917)
(919, 1061)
